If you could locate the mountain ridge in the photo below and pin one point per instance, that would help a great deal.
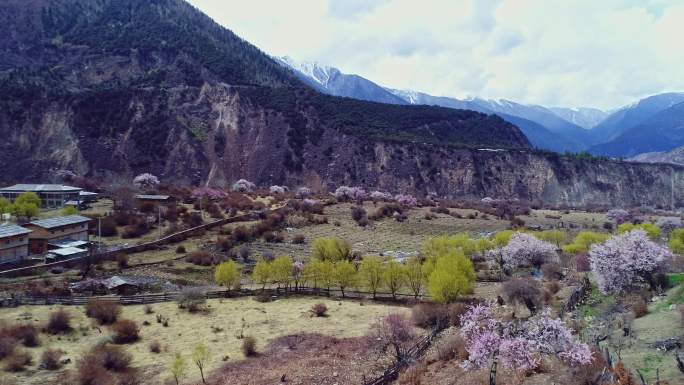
(534, 121)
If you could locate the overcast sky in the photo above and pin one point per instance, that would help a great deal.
(596, 53)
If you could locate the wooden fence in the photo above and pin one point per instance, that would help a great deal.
(578, 295)
(139, 299)
(171, 238)
(411, 355)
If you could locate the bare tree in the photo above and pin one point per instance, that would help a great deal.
(393, 333)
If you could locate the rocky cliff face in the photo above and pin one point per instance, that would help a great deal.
(216, 134)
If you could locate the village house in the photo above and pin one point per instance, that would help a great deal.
(46, 233)
(153, 198)
(51, 195)
(14, 242)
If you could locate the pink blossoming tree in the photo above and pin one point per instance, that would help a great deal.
(243, 186)
(619, 216)
(406, 200)
(624, 260)
(208, 193)
(350, 193)
(380, 196)
(277, 190)
(146, 181)
(525, 250)
(521, 345)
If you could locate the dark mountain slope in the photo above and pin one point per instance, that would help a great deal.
(542, 138)
(663, 131)
(119, 53)
(633, 115)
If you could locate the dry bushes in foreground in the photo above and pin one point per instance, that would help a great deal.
(105, 364)
(305, 359)
(17, 360)
(432, 315)
(125, 331)
(249, 346)
(51, 359)
(105, 312)
(319, 310)
(59, 322)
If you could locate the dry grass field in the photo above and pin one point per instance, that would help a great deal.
(218, 328)
(388, 235)
(661, 323)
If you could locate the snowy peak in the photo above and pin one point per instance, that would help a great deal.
(410, 96)
(582, 116)
(316, 71)
(332, 81)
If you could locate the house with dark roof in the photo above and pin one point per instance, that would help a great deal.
(51, 195)
(14, 242)
(49, 231)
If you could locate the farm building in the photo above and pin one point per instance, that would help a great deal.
(51, 195)
(13, 243)
(48, 231)
(65, 253)
(121, 285)
(153, 198)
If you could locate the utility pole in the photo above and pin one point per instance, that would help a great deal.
(672, 194)
(159, 221)
(99, 234)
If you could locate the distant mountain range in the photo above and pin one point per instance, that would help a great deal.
(652, 124)
(624, 132)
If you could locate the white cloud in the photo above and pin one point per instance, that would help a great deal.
(563, 52)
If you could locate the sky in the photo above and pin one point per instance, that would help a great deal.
(570, 53)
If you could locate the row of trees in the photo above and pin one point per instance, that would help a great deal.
(446, 273)
(445, 268)
(25, 205)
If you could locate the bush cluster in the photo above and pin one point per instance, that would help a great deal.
(319, 310)
(200, 258)
(105, 312)
(104, 364)
(125, 331)
(432, 315)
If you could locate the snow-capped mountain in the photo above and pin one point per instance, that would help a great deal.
(662, 131)
(543, 128)
(574, 137)
(584, 117)
(319, 72)
(633, 115)
(553, 128)
(332, 81)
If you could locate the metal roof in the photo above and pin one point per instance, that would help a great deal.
(68, 243)
(12, 230)
(119, 280)
(59, 221)
(67, 251)
(152, 197)
(40, 188)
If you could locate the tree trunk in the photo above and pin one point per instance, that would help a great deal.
(492, 374)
